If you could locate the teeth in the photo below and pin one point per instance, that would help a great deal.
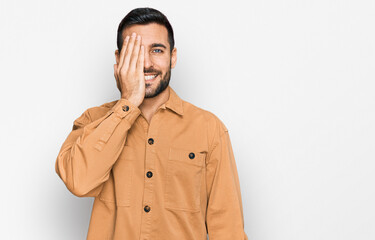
(150, 77)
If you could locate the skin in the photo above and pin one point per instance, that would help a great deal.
(138, 58)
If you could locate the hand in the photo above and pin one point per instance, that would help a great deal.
(129, 70)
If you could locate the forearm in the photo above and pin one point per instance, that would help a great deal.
(88, 154)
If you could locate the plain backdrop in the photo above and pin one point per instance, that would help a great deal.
(292, 80)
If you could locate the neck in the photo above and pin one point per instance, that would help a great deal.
(150, 105)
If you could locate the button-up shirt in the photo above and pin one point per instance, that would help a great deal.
(174, 177)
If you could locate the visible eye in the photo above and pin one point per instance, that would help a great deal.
(158, 50)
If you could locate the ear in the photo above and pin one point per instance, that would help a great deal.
(117, 54)
(173, 57)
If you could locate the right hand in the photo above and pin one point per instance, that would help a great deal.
(129, 70)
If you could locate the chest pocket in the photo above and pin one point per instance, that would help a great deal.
(183, 179)
(118, 188)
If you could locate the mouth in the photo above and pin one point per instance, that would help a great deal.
(150, 77)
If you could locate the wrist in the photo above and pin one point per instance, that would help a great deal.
(134, 101)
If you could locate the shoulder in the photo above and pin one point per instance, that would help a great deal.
(216, 128)
(214, 125)
(211, 118)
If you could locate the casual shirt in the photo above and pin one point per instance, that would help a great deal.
(174, 177)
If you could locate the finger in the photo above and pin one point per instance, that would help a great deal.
(128, 53)
(123, 50)
(134, 57)
(141, 61)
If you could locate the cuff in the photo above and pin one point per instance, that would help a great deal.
(124, 108)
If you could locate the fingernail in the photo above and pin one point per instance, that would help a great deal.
(133, 34)
(126, 38)
(138, 37)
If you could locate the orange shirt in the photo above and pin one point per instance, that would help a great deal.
(174, 178)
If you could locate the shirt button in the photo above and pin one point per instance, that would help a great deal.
(150, 141)
(147, 208)
(191, 155)
(149, 174)
(125, 108)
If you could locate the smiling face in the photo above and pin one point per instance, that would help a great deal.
(158, 58)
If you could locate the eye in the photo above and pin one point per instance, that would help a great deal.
(157, 50)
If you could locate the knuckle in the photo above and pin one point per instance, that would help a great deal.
(122, 73)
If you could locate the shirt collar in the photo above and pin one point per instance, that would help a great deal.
(174, 102)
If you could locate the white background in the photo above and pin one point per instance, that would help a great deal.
(292, 80)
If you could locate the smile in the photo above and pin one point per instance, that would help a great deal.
(150, 77)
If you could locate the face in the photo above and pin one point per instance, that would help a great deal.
(158, 59)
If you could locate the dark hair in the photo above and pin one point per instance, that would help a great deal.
(144, 16)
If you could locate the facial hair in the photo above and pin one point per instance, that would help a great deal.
(163, 83)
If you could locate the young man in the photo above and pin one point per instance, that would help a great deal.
(159, 167)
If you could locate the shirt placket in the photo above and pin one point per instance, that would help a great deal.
(150, 174)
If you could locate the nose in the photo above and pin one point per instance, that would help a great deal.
(148, 61)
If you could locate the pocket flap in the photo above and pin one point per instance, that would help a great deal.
(187, 156)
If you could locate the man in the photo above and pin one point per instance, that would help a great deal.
(159, 167)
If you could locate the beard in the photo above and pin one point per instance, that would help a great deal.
(163, 83)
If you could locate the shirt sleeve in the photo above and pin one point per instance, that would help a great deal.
(92, 147)
(224, 215)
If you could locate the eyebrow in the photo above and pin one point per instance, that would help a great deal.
(158, 45)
